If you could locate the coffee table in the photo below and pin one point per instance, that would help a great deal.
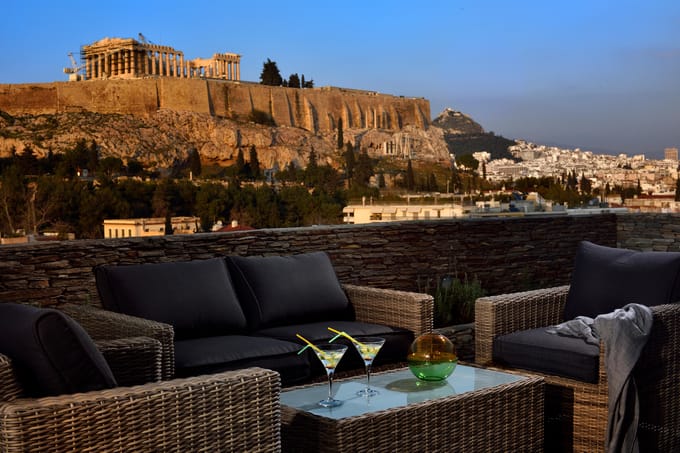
(474, 410)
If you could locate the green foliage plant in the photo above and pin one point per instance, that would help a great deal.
(454, 299)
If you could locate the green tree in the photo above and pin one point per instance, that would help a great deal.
(109, 166)
(134, 167)
(410, 176)
(341, 139)
(294, 81)
(194, 162)
(240, 163)
(212, 204)
(468, 161)
(13, 201)
(270, 74)
(363, 170)
(254, 164)
(350, 161)
(312, 170)
(585, 185)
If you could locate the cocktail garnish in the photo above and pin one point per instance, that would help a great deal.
(309, 344)
(343, 334)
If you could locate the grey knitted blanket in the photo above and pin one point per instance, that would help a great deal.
(624, 333)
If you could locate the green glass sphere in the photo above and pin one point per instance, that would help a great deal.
(432, 357)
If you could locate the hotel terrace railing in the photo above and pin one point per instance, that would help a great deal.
(505, 254)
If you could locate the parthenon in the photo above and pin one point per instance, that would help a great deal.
(127, 58)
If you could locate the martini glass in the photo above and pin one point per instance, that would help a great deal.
(330, 354)
(368, 348)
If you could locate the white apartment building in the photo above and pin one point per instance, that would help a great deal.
(372, 213)
(123, 228)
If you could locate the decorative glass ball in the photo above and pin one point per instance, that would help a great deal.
(432, 357)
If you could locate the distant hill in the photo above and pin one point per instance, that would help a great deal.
(463, 136)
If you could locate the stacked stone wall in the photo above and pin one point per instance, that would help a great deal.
(505, 254)
(317, 109)
(649, 232)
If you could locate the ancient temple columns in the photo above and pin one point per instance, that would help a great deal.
(128, 58)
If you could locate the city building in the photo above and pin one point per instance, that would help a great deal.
(359, 214)
(670, 154)
(122, 228)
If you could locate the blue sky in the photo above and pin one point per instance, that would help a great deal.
(599, 75)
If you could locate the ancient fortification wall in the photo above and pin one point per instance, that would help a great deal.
(314, 109)
(505, 254)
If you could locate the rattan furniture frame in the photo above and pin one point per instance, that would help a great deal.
(234, 411)
(578, 410)
(506, 417)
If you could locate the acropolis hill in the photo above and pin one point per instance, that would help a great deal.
(147, 101)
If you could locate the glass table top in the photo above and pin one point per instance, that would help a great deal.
(396, 388)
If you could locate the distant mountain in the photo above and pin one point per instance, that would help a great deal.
(463, 135)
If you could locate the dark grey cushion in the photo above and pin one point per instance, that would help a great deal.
(395, 349)
(606, 278)
(284, 290)
(196, 297)
(51, 353)
(558, 355)
(216, 354)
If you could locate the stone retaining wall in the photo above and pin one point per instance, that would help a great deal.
(505, 254)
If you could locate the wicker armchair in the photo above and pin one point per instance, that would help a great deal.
(103, 325)
(408, 310)
(577, 410)
(232, 411)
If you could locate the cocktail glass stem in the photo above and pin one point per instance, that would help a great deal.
(330, 385)
(368, 348)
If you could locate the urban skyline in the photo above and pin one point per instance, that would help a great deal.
(597, 75)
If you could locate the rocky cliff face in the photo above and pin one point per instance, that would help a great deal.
(157, 121)
(166, 136)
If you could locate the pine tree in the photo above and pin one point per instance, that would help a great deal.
(294, 81)
(341, 139)
(270, 74)
(254, 163)
(410, 177)
(240, 162)
(194, 162)
(350, 161)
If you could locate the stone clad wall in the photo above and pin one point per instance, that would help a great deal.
(649, 231)
(506, 254)
(317, 109)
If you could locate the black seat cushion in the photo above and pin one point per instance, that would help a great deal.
(559, 355)
(284, 290)
(395, 349)
(606, 278)
(51, 353)
(195, 297)
(210, 355)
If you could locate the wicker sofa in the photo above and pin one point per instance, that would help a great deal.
(576, 410)
(232, 411)
(235, 312)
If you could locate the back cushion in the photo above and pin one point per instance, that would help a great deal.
(606, 278)
(285, 290)
(50, 352)
(196, 297)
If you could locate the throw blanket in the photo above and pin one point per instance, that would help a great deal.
(624, 333)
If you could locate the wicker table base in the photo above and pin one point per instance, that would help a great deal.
(505, 417)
